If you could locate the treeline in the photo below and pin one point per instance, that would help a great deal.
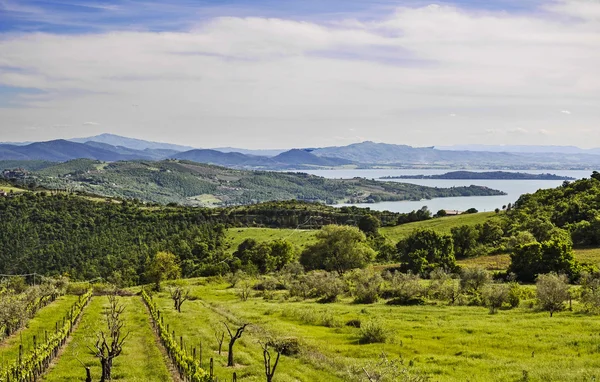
(71, 236)
(62, 234)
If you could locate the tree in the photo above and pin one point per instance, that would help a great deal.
(590, 291)
(554, 255)
(465, 239)
(552, 291)
(270, 369)
(220, 337)
(424, 250)
(365, 285)
(232, 339)
(369, 225)
(109, 345)
(491, 232)
(494, 296)
(179, 296)
(338, 248)
(163, 267)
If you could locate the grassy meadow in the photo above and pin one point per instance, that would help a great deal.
(441, 342)
(301, 238)
(141, 359)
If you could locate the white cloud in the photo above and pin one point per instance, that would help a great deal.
(233, 81)
(91, 123)
(565, 111)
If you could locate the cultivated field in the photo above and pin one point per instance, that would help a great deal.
(445, 343)
(141, 359)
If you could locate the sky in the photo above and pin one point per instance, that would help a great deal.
(302, 73)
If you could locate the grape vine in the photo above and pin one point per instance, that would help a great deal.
(186, 364)
(29, 366)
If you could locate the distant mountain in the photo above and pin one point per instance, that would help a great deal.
(470, 175)
(219, 158)
(58, 151)
(303, 157)
(407, 156)
(131, 143)
(265, 152)
(522, 149)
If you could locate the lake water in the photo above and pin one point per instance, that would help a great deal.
(513, 188)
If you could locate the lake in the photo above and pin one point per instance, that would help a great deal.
(513, 188)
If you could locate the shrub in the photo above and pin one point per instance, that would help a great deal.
(373, 332)
(552, 291)
(406, 289)
(514, 294)
(324, 285)
(354, 323)
(472, 280)
(287, 346)
(590, 292)
(365, 285)
(494, 296)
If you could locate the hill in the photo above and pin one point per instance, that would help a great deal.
(131, 143)
(196, 184)
(236, 160)
(298, 157)
(504, 175)
(407, 156)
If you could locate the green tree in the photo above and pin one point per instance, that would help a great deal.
(424, 250)
(552, 291)
(163, 267)
(338, 248)
(554, 255)
(369, 224)
(465, 239)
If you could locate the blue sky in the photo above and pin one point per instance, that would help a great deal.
(72, 16)
(280, 73)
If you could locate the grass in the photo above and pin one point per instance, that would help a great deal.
(302, 238)
(198, 321)
(588, 255)
(141, 359)
(446, 343)
(502, 261)
(442, 225)
(44, 320)
(299, 238)
(10, 188)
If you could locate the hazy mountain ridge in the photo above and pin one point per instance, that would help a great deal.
(363, 155)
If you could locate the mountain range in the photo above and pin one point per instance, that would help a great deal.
(112, 148)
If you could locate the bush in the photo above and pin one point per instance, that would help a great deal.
(365, 285)
(324, 285)
(287, 346)
(354, 323)
(373, 332)
(405, 289)
(472, 280)
(514, 294)
(552, 291)
(494, 296)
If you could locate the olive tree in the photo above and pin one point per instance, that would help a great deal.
(552, 291)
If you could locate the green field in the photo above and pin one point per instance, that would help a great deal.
(442, 225)
(302, 238)
(298, 237)
(10, 188)
(141, 359)
(445, 343)
(44, 321)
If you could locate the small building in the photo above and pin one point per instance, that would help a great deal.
(453, 212)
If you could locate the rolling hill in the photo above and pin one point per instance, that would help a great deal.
(192, 183)
(131, 143)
